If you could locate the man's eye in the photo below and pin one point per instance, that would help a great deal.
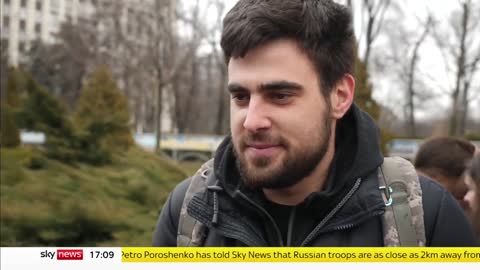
(240, 97)
(280, 98)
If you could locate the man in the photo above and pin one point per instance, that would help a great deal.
(300, 167)
(472, 197)
(445, 160)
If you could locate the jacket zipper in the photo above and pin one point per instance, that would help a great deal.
(277, 230)
(352, 225)
(291, 220)
(316, 231)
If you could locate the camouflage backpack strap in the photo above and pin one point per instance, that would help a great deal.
(403, 219)
(190, 231)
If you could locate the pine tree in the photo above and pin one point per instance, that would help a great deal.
(9, 133)
(102, 112)
(363, 91)
(10, 103)
(43, 112)
(15, 84)
(365, 101)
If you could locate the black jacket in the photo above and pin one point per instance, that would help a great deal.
(246, 218)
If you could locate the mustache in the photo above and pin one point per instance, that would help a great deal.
(261, 138)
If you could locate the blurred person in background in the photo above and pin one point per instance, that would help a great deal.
(472, 197)
(445, 160)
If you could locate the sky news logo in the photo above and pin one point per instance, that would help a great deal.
(69, 254)
(63, 254)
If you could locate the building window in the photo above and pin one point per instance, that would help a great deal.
(130, 27)
(54, 6)
(4, 44)
(5, 9)
(23, 3)
(68, 6)
(6, 22)
(38, 28)
(23, 25)
(21, 46)
(38, 5)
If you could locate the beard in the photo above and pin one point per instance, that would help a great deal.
(295, 163)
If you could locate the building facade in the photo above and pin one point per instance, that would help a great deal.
(23, 21)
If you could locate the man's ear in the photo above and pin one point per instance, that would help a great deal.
(341, 97)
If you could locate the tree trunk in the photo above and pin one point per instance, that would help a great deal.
(369, 42)
(460, 76)
(462, 125)
(158, 117)
(411, 82)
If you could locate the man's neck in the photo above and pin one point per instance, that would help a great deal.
(312, 183)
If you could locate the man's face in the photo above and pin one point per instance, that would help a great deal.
(280, 121)
(472, 199)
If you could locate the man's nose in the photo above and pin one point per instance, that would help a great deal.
(257, 116)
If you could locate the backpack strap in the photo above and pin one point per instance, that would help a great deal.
(192, 233)
(403, 219)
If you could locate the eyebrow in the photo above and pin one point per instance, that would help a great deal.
(267, 87)
(235, 88)
(280, 85)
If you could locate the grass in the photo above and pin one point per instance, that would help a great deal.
(45, 202)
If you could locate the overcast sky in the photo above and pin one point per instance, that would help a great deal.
(431, 62)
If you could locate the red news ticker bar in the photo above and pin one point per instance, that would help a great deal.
(69, 254)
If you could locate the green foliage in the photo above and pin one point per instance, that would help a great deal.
(102, 112)
(35, 161)
(10, 104)
(386, 137)
(363, 91)
(77, 147)
(43, 112)
(102, 117)
(473, 136)
(15, 88)
(82, 205)
(64, 148)
(9, 133)
(3, 65)
(12, 171)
